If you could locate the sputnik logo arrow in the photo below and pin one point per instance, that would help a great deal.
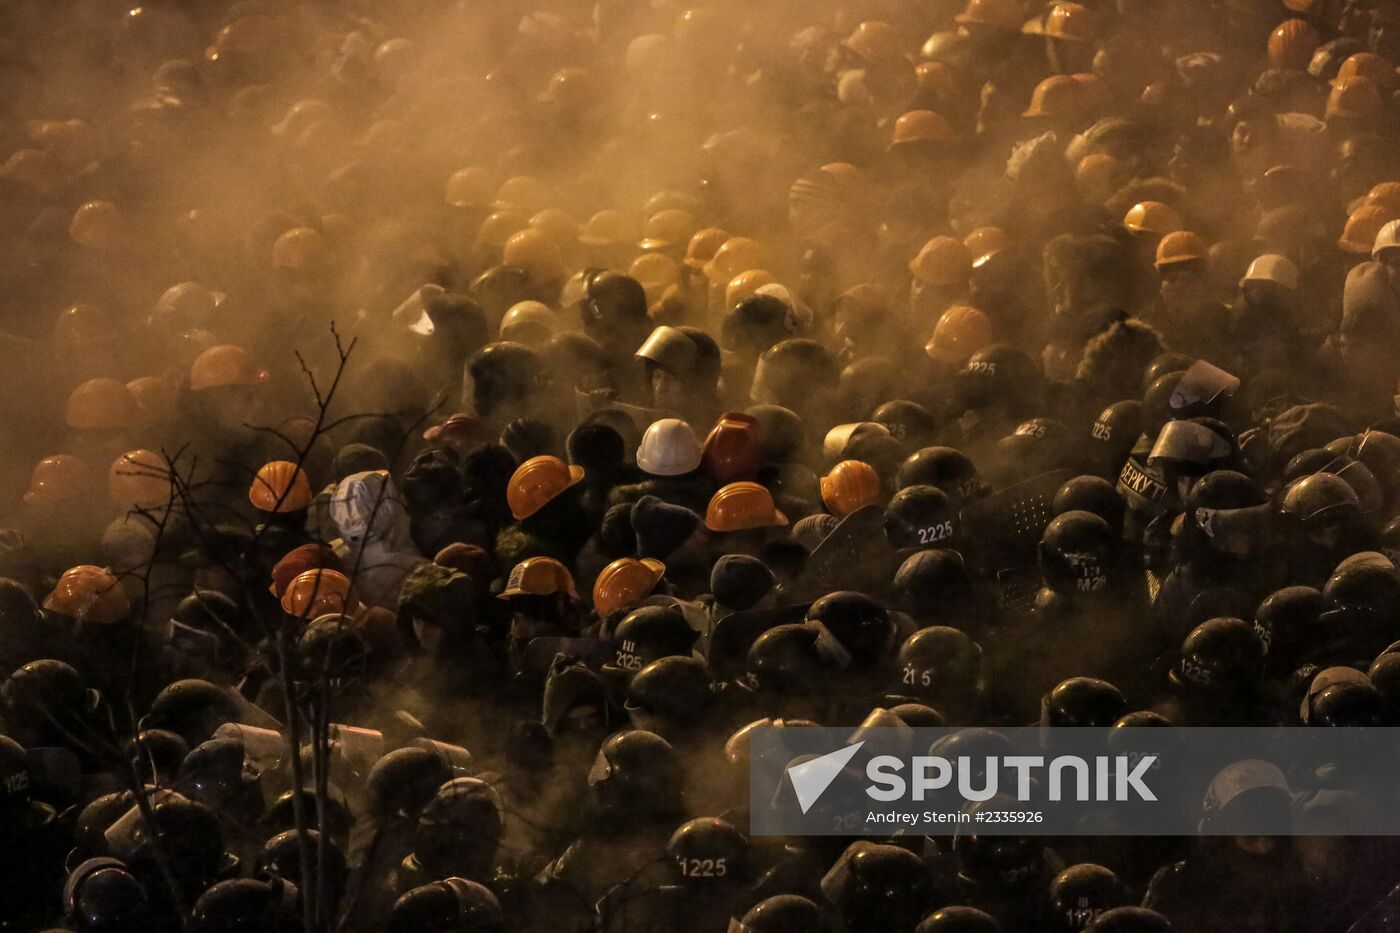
(811, 778)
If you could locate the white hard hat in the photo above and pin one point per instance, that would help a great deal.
(1387, 238)
(669, 448)
(529, 314)
(1271, 267)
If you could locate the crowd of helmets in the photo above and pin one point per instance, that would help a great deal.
(436, 435)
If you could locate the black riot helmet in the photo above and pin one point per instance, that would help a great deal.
(1082, 892)
(1169, 362)
(941, 665)
(405, 780)
(931, 583)
(1221, 655)
(921, 516)
(1092, 494)
(102, 896)
(908, 422)
(1112, 436)
(879, 887)
(636, 772)
(999, 376)
(709, 851)
(281, 858)
(157, 752)
(248, 904)
(43, 693)
(612, 301)
(944, 468)
(503, 374)
(796, 658)
(860, 624)
(1349, 704)
(460, 829)
(958, 920)
(1082, 702)
(1129, 920)
(193, 709)
(1156, 403)
(1287, 623)
(1078, 551)
(455, 905)
(783, 913)
(675, 690)
(651, 632)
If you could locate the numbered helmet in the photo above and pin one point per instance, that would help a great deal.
(940, 664)
(1078, 551)
(921, 516)
(709, 850)
(1220, 655)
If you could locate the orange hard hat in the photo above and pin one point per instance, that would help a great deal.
(733, 449)
(1292, 44)
(1386, 195)
(985, 242)
(1367, 65)
(34, 168)
(539, 576)
(533, 251)
(1059, 96)
(96, 225)
(1071, 22)
(920, 126)
(935, 79)
(608, 228)
(1095, 97)
(558, 225)
(874, 41)
(89, 594)
(738, 254)
(746, 285)
(959, 333)
(1180, 246)
(667, 229)
(155, 397)
(571, 89)
(538, 480)
(944, 261)
(656, 271)
(468, 187)
(139, 478)
(851, 485)
(1098, 174)
(58, 479)
(1002, 14)
(625, 582)
(703, 246)
(522, 194)
(101, 404)
(1152, 217)
(280, 486)
(1359, 235)
(301, 249)
(498, 227)
(314, 593)
(1355, 98)
(298, 561)
(224, 365)
(741, 506)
